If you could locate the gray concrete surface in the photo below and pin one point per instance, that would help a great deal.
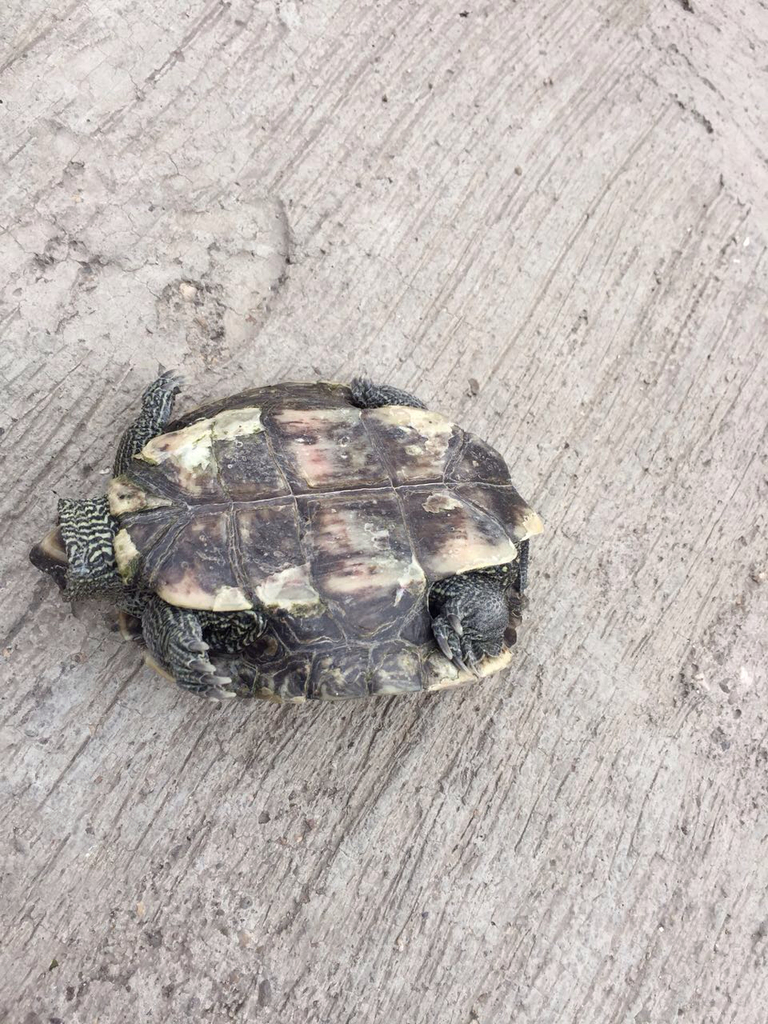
(564, 202)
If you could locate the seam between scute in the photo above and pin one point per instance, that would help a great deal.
(414, 553)
(351, 492)
(268, 426)
(157, 567)
(460, 448)
(305, 554)
(392, 486)
(234, 547)
(338, 615)
(214, 459)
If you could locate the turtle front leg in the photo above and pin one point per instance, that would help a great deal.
(174, 637)
(156, 410)
(367, 395)
(471, 613)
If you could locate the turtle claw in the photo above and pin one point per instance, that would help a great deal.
(219, 693)
(471, 615)
(203, 666)
(174, 638)
(455, 622)
(220, 688)
(453, 645)
(201, 678)
(474, 664)
(442, 641)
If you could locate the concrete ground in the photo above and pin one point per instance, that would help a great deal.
(550, 220)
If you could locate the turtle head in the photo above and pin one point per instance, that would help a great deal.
(50, 555)
(79, 551)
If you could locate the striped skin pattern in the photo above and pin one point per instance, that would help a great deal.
(175, 637)
(88, 531)
(87, 527)
(230, 632)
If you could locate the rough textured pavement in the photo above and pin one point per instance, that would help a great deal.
(550, 220)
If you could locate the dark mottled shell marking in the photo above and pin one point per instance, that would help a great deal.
(247, 469)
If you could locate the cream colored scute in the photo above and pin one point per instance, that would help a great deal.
(234, 423)
(230, 599)
(425, 438)
(464, 553)
(290, 590)
(124, 496)
(464, 545)
(530, 526)
(190, 447)
(410, 578)
(126, 552)
(432, 425)
(188, 593)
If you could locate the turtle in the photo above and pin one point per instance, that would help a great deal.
(303, 540)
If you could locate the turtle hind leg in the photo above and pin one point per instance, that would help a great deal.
(174, 636)
(471, 613)
(367, 395)
(156, 410)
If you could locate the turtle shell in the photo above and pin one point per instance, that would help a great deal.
(334, 519)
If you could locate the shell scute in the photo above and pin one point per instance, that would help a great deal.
(247, 469)
(197, 571)
(362, 561)
(452, 535)
(505, 505)
(340, 674)
(478, 462)
(272, 562)
(325, 450)
(415, 444)
(396, 668)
